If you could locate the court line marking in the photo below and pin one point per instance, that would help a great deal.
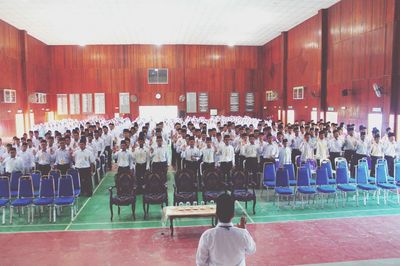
(245, 212)
(84, 204)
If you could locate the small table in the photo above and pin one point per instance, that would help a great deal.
(172, 212)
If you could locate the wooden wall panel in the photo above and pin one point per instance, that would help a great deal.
(123, 68)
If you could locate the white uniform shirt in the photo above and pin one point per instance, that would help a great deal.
(13, 164)
(322, 152)
(208, 155)
(108, 140)
(377, 149)
(224, 246)
(44, 157)
(269, 151)
(190, 154)
(141, 155)
(83, 158)
(124, 158)
(285, 156)
(159, 154)
(251, 151)
(390, 148)
(99, 144)
(307, 151)
(227, 154)
(335, 145)
(63, 156)
(362, 147)
(28, 160)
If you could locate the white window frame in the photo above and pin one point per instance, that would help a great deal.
(250, 102)
(41, 98)
(124, 103)
(87, 103)
(99, 103)
(270, 96)
(234, 102)
(74, 104)
(191, 102)
(62, 104)
(298, 93)
(9, 96)
(203, 102)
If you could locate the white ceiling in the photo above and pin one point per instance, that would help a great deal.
(226, 22)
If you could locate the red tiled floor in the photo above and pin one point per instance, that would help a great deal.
(277, 244)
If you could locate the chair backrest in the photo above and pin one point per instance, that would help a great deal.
(363, 163)
(36, 176)
(381, 173)
(213, 181)
(47, 187)
(269, 172)
(290, 168)
(361, 174)
(397, 171)
(342, 164)
(328, 166)
(25, 187)
(342, 175)
(5, 187)
(56, 175)
(298, 160)
(125, 184)
(340, 161)
(75, 177)
(322, 176)
(14, 180)
(303, 177)
(282, 178)
(65, 186)
(154, 183)
(384, 162)
(185, 181)
(312, 164)
(239, 179)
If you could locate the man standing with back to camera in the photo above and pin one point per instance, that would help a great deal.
(225, 244)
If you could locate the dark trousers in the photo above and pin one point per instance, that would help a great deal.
(160, 167)
(207, 167)
(226, 168)
(86, 181)
(192, 165)
(173, 155)
(140, 173)
(374, 159)
(63, 168)
(295, 152)
(390, 164)
(238, 162)
(44, 168)
(178, 161)
(241, 160)
(348, 154)
(123, 169)
(251, 166)
(332, 157)
(109, 156)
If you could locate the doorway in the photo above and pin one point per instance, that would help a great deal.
(19, 124)
(375, 120)
(290, 116)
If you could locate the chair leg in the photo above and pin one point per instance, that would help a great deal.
(245, 204)
(49, 213)
(11, 214)
(254, 206)
(4, 215)
(54, 213)
(72, 213)
(119, 210)
(111, 211)
(357, 198)
(144, 210)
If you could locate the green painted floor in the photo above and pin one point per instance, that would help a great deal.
(94, 213)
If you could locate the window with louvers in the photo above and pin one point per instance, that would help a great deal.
(234, 102)
(62, 104)
(99, 103)
(203, 102)
(249, 102)
(87, 103)
(124, 106)
(74, 105)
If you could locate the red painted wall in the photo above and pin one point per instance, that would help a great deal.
(20, 54)
(217, 70)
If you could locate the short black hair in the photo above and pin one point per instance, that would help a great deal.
(225, 208)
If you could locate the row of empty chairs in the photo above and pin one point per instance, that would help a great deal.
(323, 181)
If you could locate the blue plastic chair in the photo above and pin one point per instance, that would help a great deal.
(303, 184)
(269, 177)
(308, 166)
(66, 196)
(76, 180)
(5, 195)
(342, 181)
(343, 164)
(36, 176)
(381, 175)
(364, 163)
(292, 177)
(328, 166)
(46, 194)
(14, 181)
(25, 196)
(56, 174)
(324, 187)
(363, 184)
(282, 185)
(397, 172)
(390, 179)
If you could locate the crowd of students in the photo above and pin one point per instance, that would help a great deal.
(195, 143)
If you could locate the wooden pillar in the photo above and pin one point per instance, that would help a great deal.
(284, 48)
(324, 60)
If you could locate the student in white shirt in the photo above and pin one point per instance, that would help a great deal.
(27, 158)
(322, 151)
(63, 157)
(335, 147)
(227, 158)
(108, 145)
(141, 159)
(124, 159)
(191, 156)
(44, 158)
(307, 149)
(13, 163)
(208, 156)
(285, 153)
(84, 163)
(251, 151)
(225, 244)
(376, 151)
(159, 157)
(390, 150)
